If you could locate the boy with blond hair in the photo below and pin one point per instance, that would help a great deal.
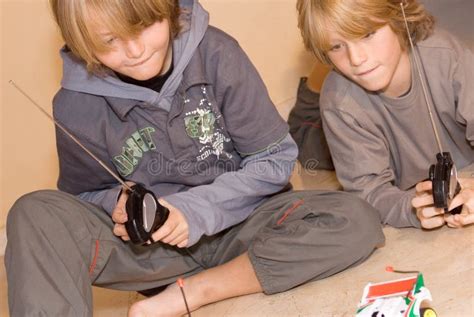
(373, 108)
(169, 102)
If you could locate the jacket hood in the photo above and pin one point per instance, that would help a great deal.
(194, 20)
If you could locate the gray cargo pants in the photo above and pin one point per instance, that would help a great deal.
(59, 245)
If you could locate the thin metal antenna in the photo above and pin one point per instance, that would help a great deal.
(71, 136)
(418, 69)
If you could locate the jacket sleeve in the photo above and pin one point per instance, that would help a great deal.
(233, 196)
(106, 198)
(94, 186)
(79, 173)
(362, 163)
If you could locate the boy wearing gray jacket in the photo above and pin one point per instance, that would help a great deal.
(174, 104)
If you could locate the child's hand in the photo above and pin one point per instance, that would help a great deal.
(119, 216)
(466, 199)
(430, 216)
(175, 231)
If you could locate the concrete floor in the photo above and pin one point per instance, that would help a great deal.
(444, 256)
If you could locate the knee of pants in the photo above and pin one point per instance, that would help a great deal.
(26, 208)
(356, 224)
(366, 227)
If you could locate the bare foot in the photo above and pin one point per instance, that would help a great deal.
(168, 303)
(234, 278)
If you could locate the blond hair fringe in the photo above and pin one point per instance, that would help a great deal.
(354, 19)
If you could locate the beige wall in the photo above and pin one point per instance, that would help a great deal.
(266, 29)
(29, 46)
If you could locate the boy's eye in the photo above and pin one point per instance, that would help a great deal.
(335, 47)
(369, 35)
(110, 40)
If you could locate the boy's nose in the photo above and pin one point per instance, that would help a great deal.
(357, 55)
(134, 48)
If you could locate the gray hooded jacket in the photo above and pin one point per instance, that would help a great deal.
(211, 143)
